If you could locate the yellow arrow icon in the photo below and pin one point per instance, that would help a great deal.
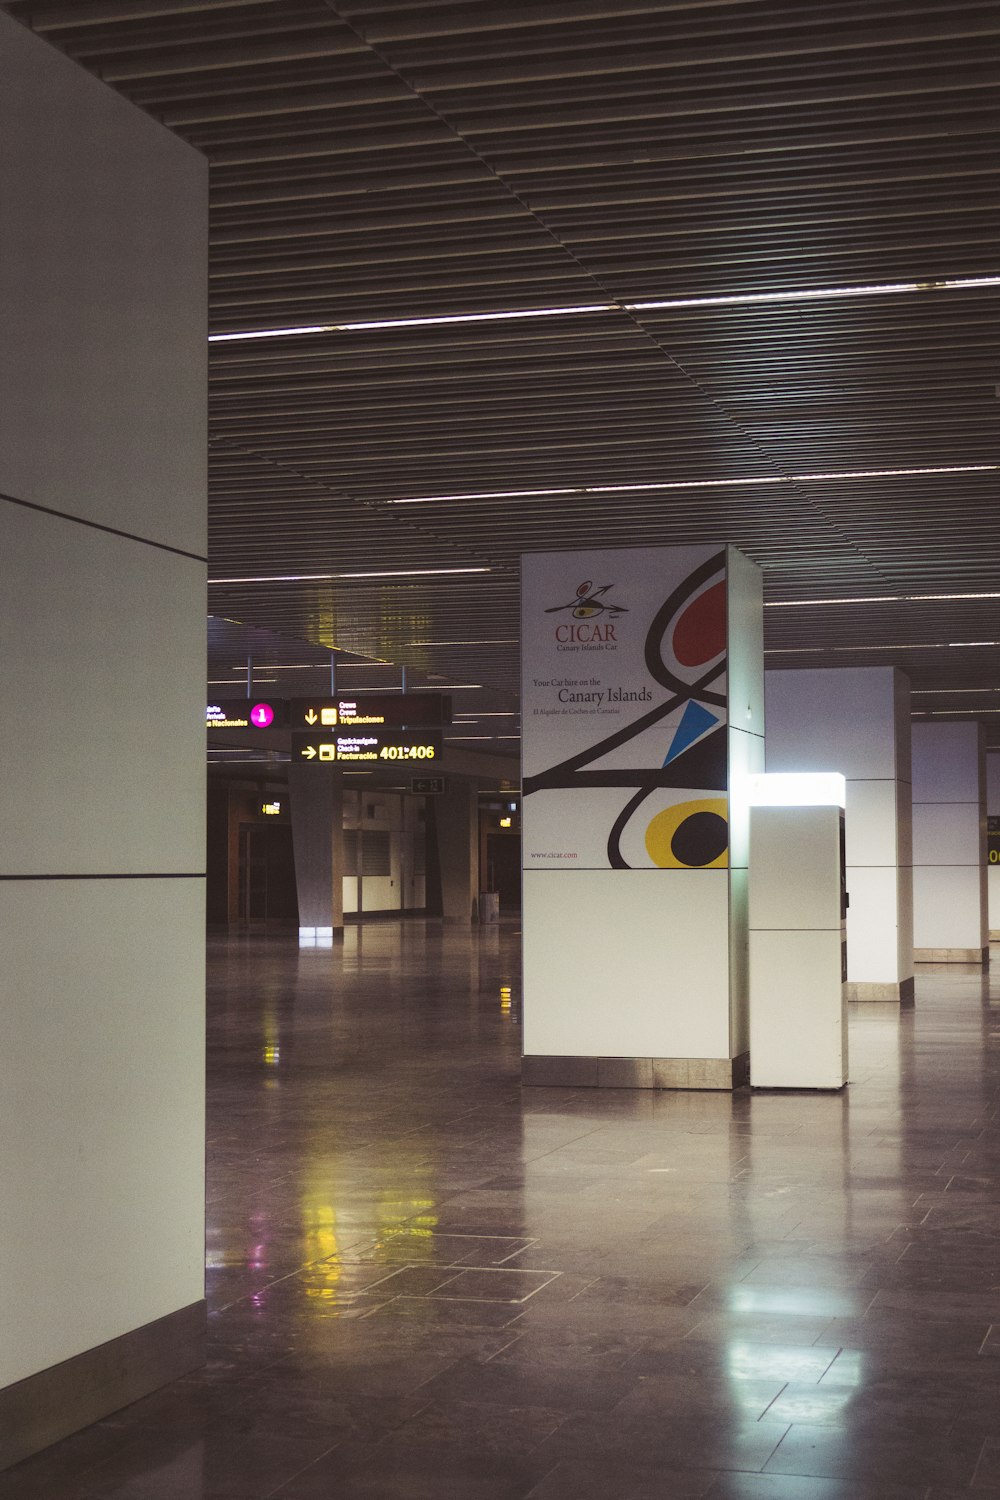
(311, 716)
(309, 753)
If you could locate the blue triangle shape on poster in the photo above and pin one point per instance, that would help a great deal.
(694, 721)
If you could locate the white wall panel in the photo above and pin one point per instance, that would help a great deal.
(870, 822)
(101, 1114)
(856, 721)
(102, 729)
(656, 937)
(873, 942)
(103, 277)
(798, 1024)
(103, 256)
(946, 833)
(833, 719)
(946, 763)
(946, 906)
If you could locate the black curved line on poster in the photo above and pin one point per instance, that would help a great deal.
(563, 775)
(657, 669)
(655, 665)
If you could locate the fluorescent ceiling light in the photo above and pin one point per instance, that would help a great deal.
(897, 646)
(874, 599)
(947, 692)
(486, 495)
(330, 577)
(940, 712)
(508, 640)
(704, 484)
(812, 294)
(483, 317)
(298, 666)
(444, 687)
(238, 681)
(659, 304)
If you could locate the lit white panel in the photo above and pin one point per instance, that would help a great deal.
(798, 789)
(946, 907)
(833, 718)
(873, 952)
(871, 822)
(946, 762)
(626, 963)
(946, 833)
(103, 691)
(379, 893)
(103, 271)
(101, 1113)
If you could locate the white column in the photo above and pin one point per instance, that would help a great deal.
(949, 839)
(102, 617)
(642, 703)
(993, 869)
(856, 720)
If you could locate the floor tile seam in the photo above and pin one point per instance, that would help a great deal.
(317, 1458)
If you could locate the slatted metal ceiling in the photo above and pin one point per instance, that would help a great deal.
(376, 160)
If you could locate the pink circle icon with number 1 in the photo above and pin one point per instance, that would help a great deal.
(261, 715)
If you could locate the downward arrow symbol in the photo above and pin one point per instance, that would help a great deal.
(311, 716)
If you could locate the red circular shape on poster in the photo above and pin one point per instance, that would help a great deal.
(700, 632)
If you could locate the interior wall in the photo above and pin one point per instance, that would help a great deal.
(993, 811)
(949, 838)
(856, 720)
(102, 521)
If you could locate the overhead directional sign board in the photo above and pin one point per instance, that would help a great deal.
(245, 713)
(377, 747)
(369, 712)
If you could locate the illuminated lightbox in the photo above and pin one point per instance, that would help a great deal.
(797, 789)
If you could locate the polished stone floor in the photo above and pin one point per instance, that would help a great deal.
(426, 1283)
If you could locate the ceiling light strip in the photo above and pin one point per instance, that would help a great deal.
(658, 304)
(331, 577)
(874, 599)
(704, 484)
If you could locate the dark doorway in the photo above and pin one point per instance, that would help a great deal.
(267, 873)
(503, 859)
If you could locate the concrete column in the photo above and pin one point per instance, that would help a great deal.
(316, 794)
(856, 720)
(456, 823)
(949, 843)
(102, 678)
(993, 870)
